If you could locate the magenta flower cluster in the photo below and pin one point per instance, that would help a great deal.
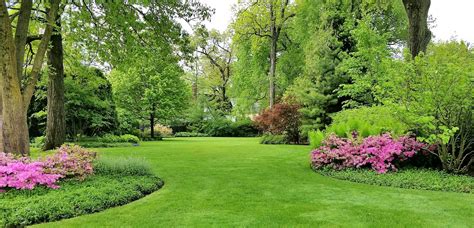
(24, 173)
(380, 153)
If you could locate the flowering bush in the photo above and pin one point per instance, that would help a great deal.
(24, 173)
(381, 153)
(70, 161)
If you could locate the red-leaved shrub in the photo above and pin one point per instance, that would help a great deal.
(281, 119)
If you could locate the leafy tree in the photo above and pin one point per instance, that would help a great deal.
(150, 87)
(266, 21)
(217, 54)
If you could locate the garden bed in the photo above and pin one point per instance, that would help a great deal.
(115, 183)
(425, 179)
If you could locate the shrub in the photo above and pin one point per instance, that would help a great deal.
(274, 139)
(190, 134)
(381, 153)
(38, 142)
(70, 161)
(281, 119)
(368, 121)
(122, 166)
(316, 138)
(119, 138)
(434, 95)
(410, 178)
(244, 128)
(162, 130)
(23, 173)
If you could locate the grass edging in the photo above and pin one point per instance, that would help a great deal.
(424, 179)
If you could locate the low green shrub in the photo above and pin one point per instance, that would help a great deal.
(95, 144)
(122, 166)
(190, 134)
(38, 142)
(410, 178)
(368, 121)
(274, 139)
(119, 138)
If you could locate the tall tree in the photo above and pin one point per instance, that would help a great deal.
(419, 33)
(17, 87)
(56, 119)
(216, 49)
(266, 19)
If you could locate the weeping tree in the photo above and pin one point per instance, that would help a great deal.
(18, 79)
(419, 33)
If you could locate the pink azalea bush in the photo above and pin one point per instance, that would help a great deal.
(24, 173)
(381, 153)
(70, 161)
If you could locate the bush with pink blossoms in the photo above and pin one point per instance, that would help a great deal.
(24, 173)
(381, 153)
(70, 161)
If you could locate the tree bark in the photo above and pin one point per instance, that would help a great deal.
(273, 55)
(56, 119)
(152, 122)
(15, 100)
(419, 34)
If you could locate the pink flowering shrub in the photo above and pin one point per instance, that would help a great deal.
(381, 153)
(70, 161)
(24, 173)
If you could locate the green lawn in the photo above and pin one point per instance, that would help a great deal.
(237, 182)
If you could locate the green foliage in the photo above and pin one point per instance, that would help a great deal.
(274, 139)
(97, 193)
(190, 134)
(434, 96)
(316, 138)
(222, 127)
(119, 138)
(122, 166)
(367, 121)
(38, 142)
(410, 178)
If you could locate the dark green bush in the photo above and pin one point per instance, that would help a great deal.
(115, 183)
(274, 139)
(222, 127)
(410, 178)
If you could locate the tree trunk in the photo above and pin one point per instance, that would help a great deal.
(15, 100)
(273, 55)
(1, 120)
(152, 122)
(56, 120)
(419, 34)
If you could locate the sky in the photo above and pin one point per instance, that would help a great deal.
(454, 18)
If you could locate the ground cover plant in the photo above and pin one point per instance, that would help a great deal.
(427, 179)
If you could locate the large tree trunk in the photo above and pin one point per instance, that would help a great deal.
(419, 33)
(15, 100)
(56, 120)
(273, 55)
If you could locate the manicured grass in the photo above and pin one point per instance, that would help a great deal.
(238, 182)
